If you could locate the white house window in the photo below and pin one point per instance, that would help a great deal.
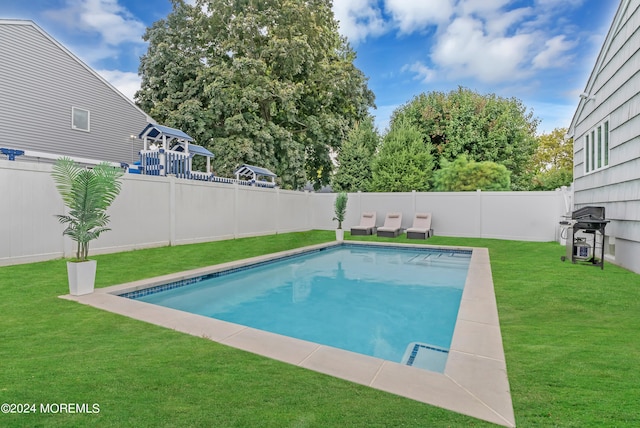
(596, 147)
(592, 147)
(606, 143)
(80, 119)
(587, 150)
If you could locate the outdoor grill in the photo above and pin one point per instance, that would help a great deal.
(589, 221)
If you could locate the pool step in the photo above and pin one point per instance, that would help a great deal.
(425, 356)
(441, 259)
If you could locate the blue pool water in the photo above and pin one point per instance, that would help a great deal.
(397, 304)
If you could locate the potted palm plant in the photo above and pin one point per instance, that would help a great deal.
(340, 207)
(87, 193)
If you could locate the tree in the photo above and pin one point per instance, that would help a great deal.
(482, 127)
(404, 162)
(267, 82)
(552, 163)
(463, 175)
(355, 158)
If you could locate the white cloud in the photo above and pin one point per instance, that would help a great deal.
(554, 53)
(126, 82)
(108, 18)
(486, 40)
(465, 50)
(502, 22)
(481, 7)
(558, 3)
(359, 19)
(422, 71)
(93, 54)
(412, 15)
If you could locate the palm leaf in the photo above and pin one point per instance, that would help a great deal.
(87, 193)
(64, 174)
(107, 179)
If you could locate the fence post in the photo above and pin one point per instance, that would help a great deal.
(172, 209)
(479, 193)
(278, 208)
(413, 198)
(235, 209)
(309, 210)
(163, 162)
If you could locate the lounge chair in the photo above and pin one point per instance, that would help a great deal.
(421, 228)
(367, 224)
(392, 225)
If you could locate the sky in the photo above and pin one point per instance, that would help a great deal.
(538, 51)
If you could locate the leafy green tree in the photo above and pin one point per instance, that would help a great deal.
(265, 82)
(465, 175)
(404, 162)
(482, 127)
(552, 163)
(553, 179)
(355, 158)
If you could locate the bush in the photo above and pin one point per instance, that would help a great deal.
(464, 175)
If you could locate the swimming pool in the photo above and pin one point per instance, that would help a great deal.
(398, 304)
(474, 382)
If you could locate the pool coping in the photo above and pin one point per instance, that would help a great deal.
(474, 382)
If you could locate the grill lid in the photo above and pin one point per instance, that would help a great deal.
(588, 213)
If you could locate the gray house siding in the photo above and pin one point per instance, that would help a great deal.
(40, 82)
(614, 85)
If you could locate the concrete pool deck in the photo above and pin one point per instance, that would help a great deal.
(474, 382)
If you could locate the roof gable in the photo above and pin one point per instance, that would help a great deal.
(251, 170)
(29, 23)
(158, 132)
(586, 96)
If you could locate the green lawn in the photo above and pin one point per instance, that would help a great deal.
(570, 332)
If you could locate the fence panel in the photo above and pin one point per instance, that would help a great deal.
(293, 211)
(203, 211)
(29, 230)
(140, 216)
(524, 216)
(155, 211)
(453, 214)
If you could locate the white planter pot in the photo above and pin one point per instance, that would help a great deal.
(339, 234)
(82, 277)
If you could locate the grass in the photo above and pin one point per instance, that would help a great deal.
(570, 334)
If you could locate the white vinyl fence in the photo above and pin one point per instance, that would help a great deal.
(156, 211)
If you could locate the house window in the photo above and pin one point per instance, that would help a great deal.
(596, 148)
(599, 147)
(592, 148)
(587, 147)
(80, 119)
(606, 143)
